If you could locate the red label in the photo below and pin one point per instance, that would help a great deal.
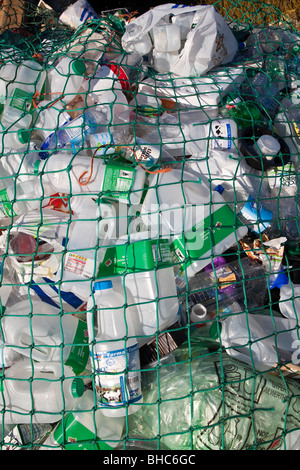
(119, 72)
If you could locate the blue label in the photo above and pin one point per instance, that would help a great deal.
(256, 214)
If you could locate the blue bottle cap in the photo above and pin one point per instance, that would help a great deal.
(103, 285)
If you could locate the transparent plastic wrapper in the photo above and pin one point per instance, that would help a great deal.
(215, 395)
(209, 42)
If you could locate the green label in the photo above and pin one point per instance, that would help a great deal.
(200, 240)
(118, 179)
(144, 255)
(75, 436)
(79, 354)
(5, 204)
(21, 100)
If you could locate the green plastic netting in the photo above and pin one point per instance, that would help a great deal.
(162, 198)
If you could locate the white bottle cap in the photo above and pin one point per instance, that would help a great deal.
(268, 146)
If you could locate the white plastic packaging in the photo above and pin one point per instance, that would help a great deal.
(76, 174)
(13, 139)
(80, 263)
(38, 392)
(149, 282)
(114, 348)
(259, 340)
(65, 78)
(180, 205)
(166, 37)
(84, 424)
(47, 336)
(29, 79)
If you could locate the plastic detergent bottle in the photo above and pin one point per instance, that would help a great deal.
(47, 336)
(65, 79)
(29, 79)
(114, 351)
(79, 174)
(85, 428)
(38, 392)
(143, 269)
(261, 341)
(187, 222)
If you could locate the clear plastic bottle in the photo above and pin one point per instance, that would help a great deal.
(29, 79)
(74, 133)
(85, 428)
(114, 351)
(65, 79)
(38, 392)
(262, 341)
(265, 92)
(224, 289)
(48, 118)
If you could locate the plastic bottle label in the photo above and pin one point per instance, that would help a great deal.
(221, 136)
(256, 214)
(117, 389)
(79, 353)
(75, 436)
(104, 144)
(5, 205)
(79, 265)
(199, 241)
(115, 72)
(21, 100)
(118, 179)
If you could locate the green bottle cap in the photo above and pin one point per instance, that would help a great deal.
(78, 67)
(36, 167)
(77, 387)
(23, 136)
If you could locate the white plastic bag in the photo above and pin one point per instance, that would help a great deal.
(78, 13)
(209, 43)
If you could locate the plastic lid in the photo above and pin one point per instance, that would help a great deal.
(78, 67)
(103, 285)
(199, 311)
(215, 330)
(23, 136)
(219, 188)
(268, 145)
(77, 387)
